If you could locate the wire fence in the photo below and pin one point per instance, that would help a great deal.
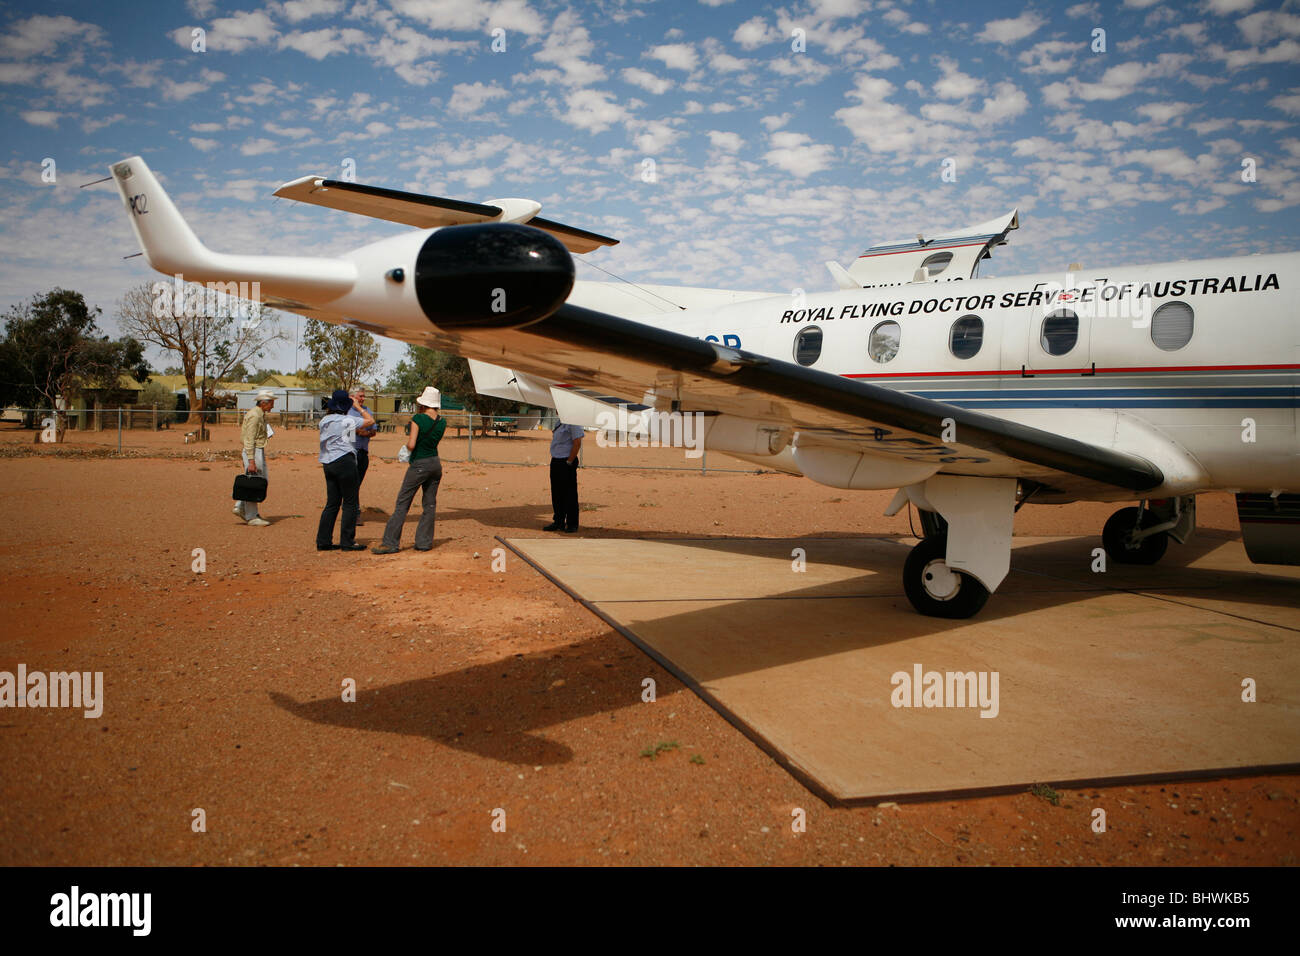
(522, 439)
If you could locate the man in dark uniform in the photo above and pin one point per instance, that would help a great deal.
(566, 442)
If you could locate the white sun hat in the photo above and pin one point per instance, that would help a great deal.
(430, 398)
(266, 395)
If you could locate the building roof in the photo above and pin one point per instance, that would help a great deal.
(286, 381)
(176, 383)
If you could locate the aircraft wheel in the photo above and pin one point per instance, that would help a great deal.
(1115, 534)
(934, 589)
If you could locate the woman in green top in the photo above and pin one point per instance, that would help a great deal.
(424, 471)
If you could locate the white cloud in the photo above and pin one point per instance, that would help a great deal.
(177, 91)
(1224, 8)
(467, 98)
(1163, 113)
(41, 35)
(592, 110)
(46, 118)
(954, 84)
(256, 147)
(1050, 56)
(292, 132)
(319, 44)
(1289, 104)
(722, 139)
(653, 137)
(648, 81)
(204, 145)
(1007, 102)
(295, 11)
(798, 155)
(1268, 25)
(755, 32)
(566, 46)
(1011, 30)
(675, 56)
(240, 31)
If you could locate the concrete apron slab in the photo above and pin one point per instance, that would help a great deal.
(1131, 674)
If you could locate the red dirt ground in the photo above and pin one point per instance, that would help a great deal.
(476, 691)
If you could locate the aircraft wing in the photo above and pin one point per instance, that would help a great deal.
(426, 212)
(856, 433)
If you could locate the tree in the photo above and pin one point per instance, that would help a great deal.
(450, 373)
(204, 327)
(52, 350)
(156, 393)
(340, 356)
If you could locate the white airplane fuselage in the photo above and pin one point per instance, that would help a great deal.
(1227, 397)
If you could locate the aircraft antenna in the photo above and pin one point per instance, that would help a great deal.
(588, 262)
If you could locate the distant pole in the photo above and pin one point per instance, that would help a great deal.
(469, 453)
(119, 430)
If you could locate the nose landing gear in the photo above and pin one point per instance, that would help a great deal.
(1141, 535)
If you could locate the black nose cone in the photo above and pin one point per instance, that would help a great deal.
(491, 275)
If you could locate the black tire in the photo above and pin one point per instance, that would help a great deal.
(1118, 526)
(918, 572)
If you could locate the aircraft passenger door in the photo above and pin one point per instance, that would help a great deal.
(1058, 342)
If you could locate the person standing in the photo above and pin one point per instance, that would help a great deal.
(424, 472)
(338, 435)
(254, 433)
(566, 442)
(358, 410)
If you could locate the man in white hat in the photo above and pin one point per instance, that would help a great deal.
(254, 432)
(424, 472)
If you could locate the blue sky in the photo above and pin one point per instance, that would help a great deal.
(768, 159)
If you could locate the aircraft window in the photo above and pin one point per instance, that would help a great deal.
(1171, 326)
(1060, 332)
(883, 344)
(808, 345)
(966, 337)
(936, 263)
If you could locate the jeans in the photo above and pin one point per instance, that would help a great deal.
(341, 486)
(259, 458)
(564, 492)
(424, 473)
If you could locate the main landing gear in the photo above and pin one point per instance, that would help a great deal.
(1141, 535)
(966, 549)
(935, 589)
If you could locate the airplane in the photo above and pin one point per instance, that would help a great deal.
(971, 396)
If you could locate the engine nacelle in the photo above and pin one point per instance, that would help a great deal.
(491, 276)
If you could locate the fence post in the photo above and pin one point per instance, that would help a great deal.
(469, 454)
(704, 460)
(119, 430)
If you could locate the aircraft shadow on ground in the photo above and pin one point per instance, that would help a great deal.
(514, 698)
(773, 630)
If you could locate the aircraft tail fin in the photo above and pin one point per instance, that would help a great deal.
(171, 247)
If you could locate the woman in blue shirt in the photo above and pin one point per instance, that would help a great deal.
(338, 438)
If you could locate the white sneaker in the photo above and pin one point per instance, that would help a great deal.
(238, 510)
(258, 522)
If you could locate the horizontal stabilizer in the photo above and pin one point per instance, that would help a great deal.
(431, 212)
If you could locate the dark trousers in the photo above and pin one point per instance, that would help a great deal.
(341, 486)
(426, 474)
(363, 465)
(564, 492)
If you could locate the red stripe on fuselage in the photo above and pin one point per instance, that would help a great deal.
(1075, 371)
